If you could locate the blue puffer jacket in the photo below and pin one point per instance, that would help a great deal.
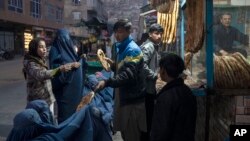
(128, 68)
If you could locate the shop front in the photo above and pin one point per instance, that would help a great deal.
(218, 79)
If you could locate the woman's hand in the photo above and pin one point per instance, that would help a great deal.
(75, 65)
(65, 68)
(101, 85)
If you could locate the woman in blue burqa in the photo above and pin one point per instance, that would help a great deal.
(90, 123)
(35, 124)
(67, 87)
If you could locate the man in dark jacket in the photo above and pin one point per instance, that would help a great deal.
(129, 112)
(225, 35)
(151, 60)
(175, 110)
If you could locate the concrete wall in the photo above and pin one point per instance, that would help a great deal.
(240, 2)
(85, 10)
(25, 18)
(130, 9)
(69, 20)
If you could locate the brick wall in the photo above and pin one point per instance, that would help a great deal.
(224, 111)
(242, 110)
(222, 114)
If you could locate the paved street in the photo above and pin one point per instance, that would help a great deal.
(13, 94)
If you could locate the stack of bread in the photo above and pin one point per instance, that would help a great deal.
(163, 6)
(168, 20)
(231, 71)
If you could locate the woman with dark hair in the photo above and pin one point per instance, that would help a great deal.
(175, 109)
(38, 75)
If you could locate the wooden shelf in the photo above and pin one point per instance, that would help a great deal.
(233, 92)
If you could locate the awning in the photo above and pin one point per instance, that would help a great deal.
(156, 3)
(148, 12)
(163, 6)
(95, 21)
(80, 24)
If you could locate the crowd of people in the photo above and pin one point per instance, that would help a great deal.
(125, 99)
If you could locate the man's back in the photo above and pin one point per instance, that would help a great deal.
(176, 107)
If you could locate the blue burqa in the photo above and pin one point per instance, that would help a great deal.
(91, 123)
(67, 87)
(42, 109)
(28, 125)
(101, 106)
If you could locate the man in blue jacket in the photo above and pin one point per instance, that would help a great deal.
(129, 112)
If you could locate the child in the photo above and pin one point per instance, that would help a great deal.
(38, 75)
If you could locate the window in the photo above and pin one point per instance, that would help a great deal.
(35, 8)
(1, 4)
(59, 14)
(15, 5)
(76, 15)
(54, 13)
(76, 2)
(90, 3)
(50, 13)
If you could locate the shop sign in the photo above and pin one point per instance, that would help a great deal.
(27, 38)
